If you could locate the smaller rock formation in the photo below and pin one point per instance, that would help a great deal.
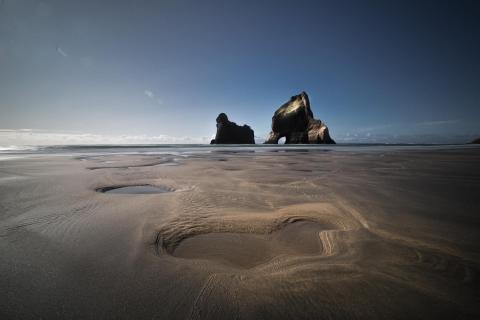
(294, 121)
(476, 141)
(230, 133)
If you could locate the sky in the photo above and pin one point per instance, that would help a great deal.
(161, 71)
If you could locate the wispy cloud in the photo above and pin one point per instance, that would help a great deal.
(403, 138)
(149, 94)
(62, 52)
(407, 132)
(258, 139)
(437, 122)
(374, 128)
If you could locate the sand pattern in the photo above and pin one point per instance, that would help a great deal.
(244, 235)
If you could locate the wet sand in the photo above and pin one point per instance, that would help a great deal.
(304, 234)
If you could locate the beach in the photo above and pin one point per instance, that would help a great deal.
(241, 233)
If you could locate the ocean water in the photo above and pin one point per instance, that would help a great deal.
(14, 152)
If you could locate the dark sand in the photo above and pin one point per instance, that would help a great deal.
(392, 234)
(139, 189)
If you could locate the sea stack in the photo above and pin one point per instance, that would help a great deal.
(294, 120)
(230, 133)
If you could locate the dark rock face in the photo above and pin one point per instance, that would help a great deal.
(230, 133)
(476, 141)
(294, 121)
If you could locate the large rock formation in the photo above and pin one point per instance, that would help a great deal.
(230, 133)
(294, 121)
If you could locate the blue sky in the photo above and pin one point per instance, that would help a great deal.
(375, 71)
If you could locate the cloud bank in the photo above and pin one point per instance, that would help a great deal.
(411, 133)
(40, 137)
